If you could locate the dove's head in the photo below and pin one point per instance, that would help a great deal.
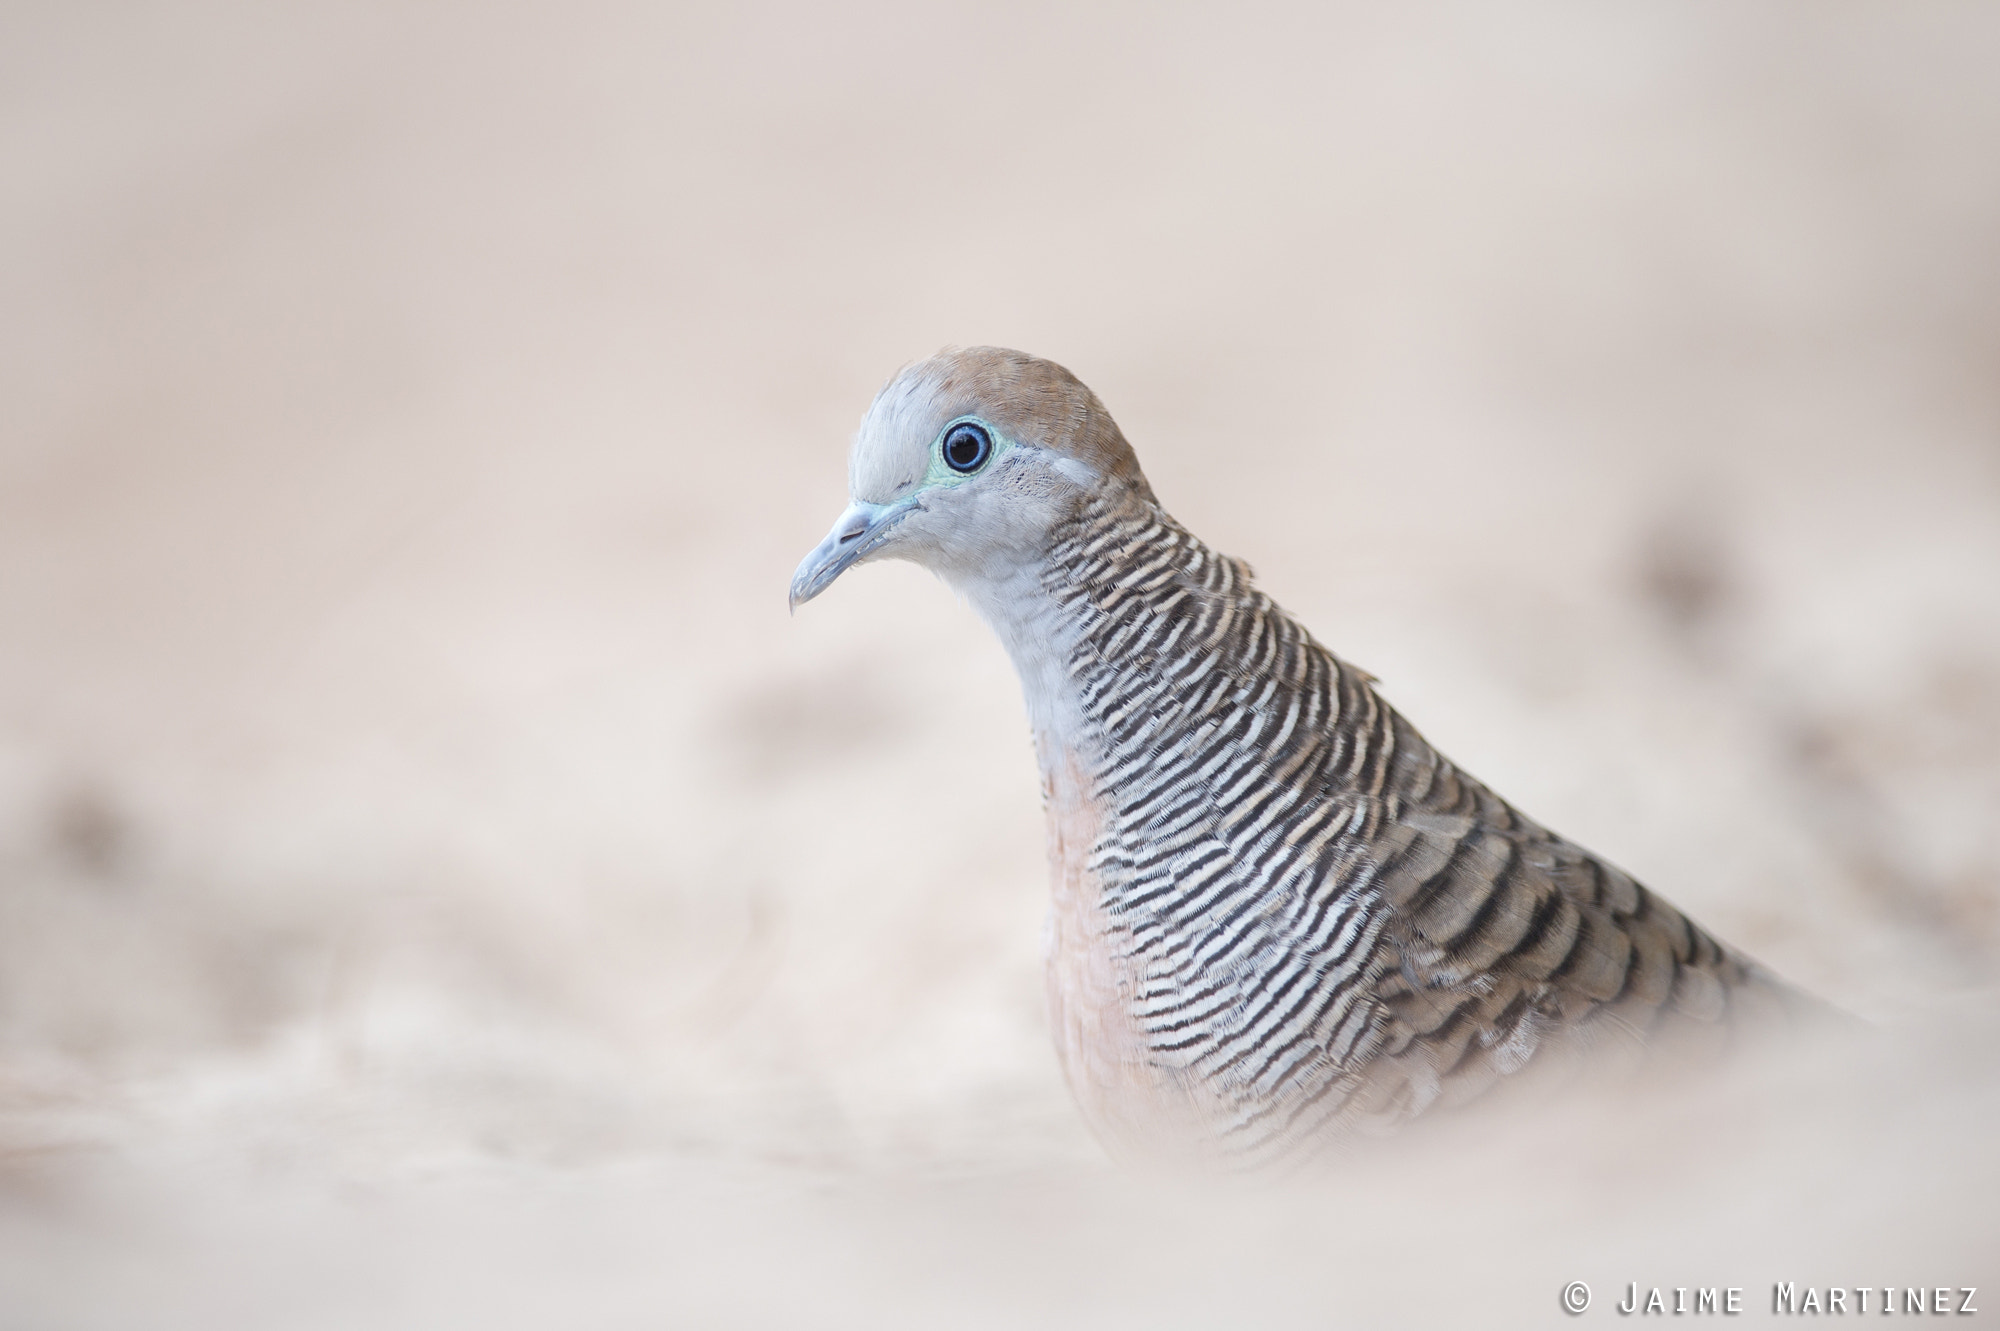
(965, 463)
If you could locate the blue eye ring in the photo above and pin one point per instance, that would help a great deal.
(966, 447)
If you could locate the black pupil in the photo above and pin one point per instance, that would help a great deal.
(965, 448)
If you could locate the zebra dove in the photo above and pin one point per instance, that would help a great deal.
(1278, 915)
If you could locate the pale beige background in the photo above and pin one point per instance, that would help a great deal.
(440, 887)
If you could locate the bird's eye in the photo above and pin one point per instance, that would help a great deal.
(967, 447)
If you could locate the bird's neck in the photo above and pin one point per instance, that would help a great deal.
(1040, 634)
(1091, 623)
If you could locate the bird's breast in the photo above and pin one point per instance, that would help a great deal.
(1136, 1106)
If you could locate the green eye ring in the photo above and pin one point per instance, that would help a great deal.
(966, 447)
(963, 450)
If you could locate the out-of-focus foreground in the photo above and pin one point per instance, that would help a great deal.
(440, 887)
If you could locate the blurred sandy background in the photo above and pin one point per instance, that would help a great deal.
(440, 887)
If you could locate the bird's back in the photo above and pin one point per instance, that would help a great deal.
(1279, 911)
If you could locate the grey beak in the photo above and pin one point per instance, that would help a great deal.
(860, 530)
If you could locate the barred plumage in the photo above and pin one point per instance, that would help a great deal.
(1278, 912)
(1323, 918)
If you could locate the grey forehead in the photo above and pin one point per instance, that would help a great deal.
(892, 447)
(891, 452)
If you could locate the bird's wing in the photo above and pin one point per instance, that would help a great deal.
(1512, 940)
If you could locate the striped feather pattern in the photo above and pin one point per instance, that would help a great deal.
(1325, 923)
